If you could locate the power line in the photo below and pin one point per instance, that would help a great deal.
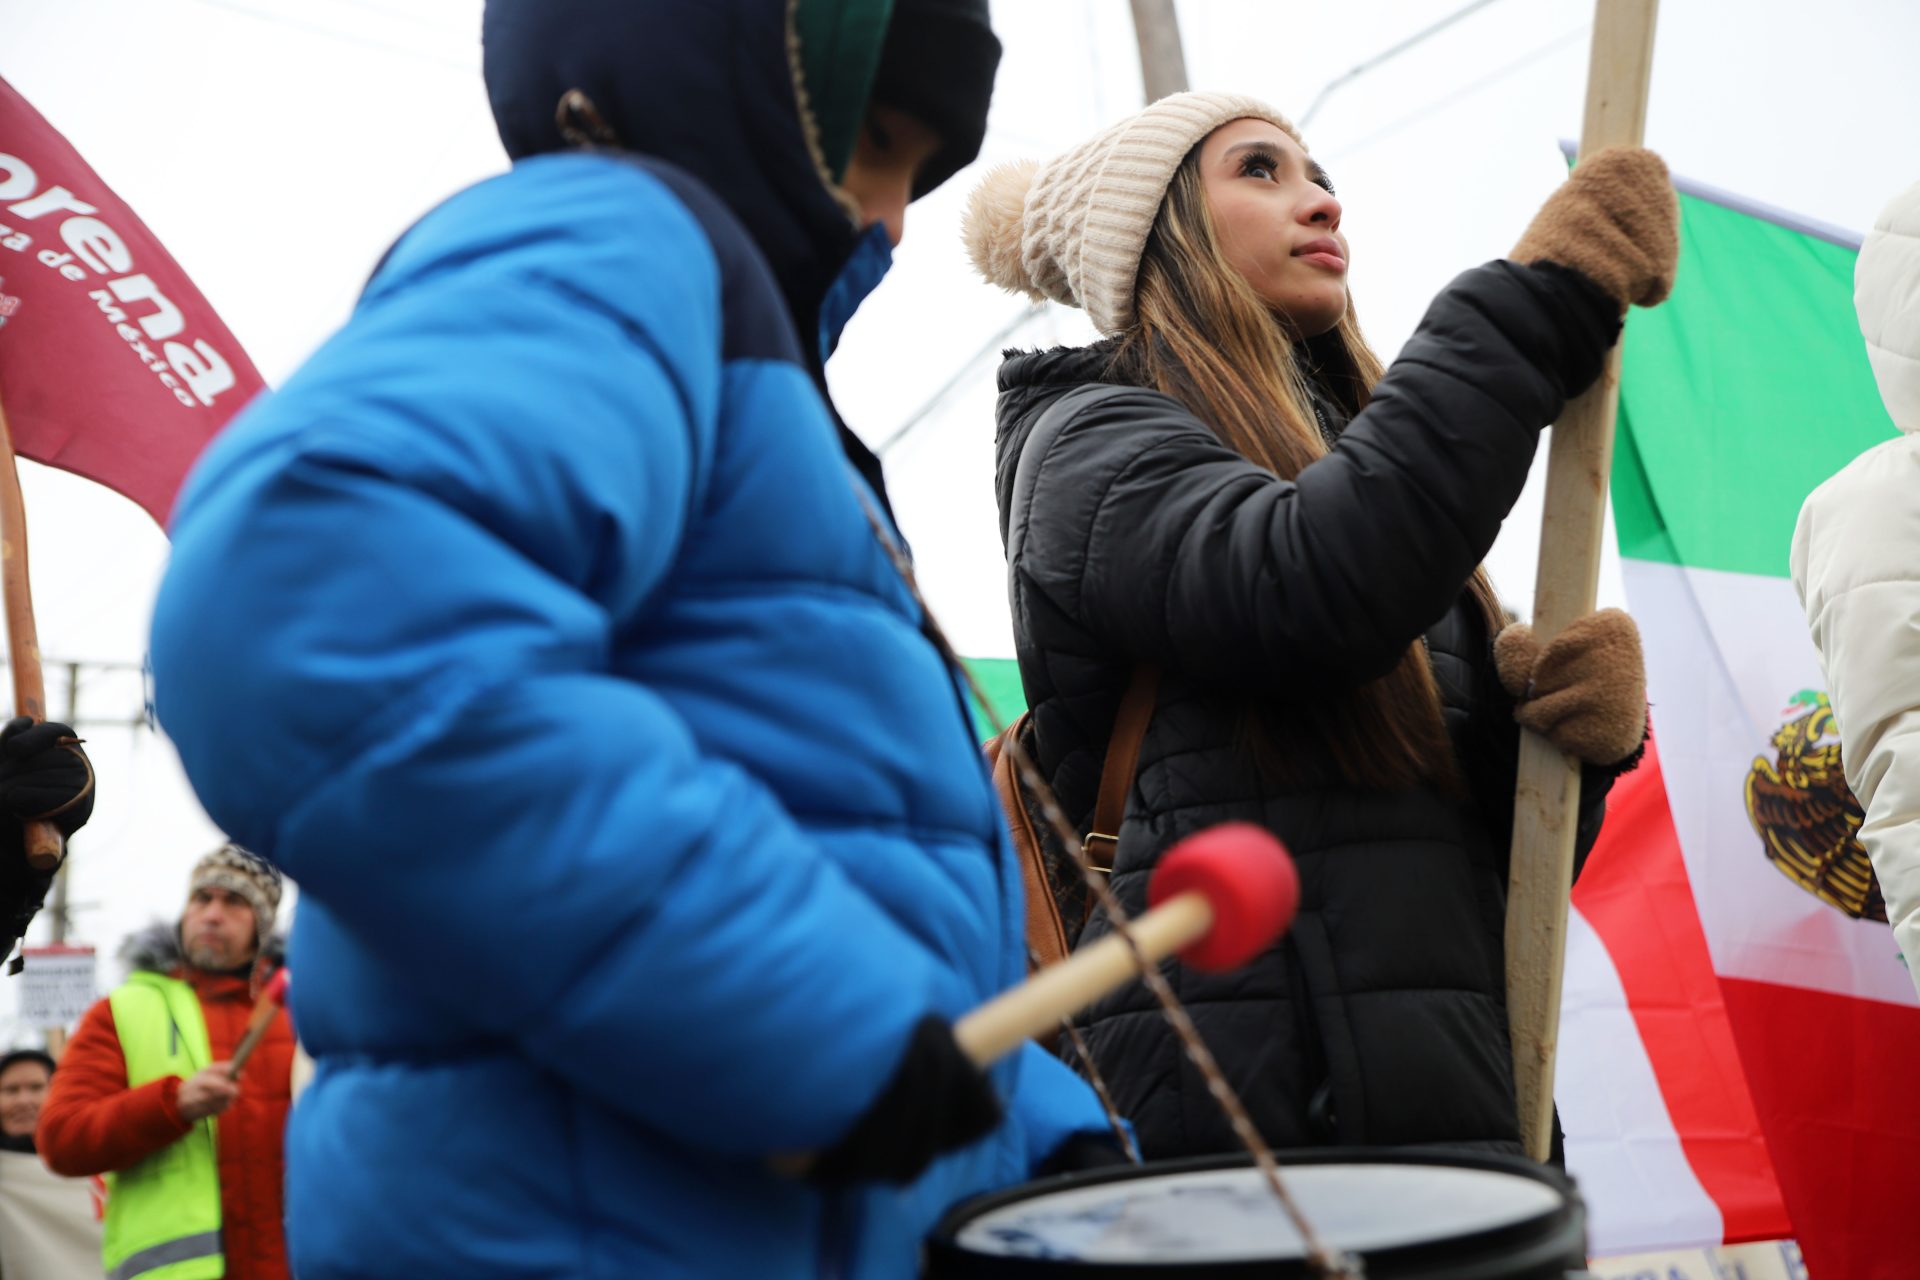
(1427, 110)
(1361, 69)
(961, 375)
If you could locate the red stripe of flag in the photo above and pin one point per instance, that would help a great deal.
(1635, 893)
(1834, 1080)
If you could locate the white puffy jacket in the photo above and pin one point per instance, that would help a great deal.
(1856, 564)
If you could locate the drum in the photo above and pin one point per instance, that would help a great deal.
(1411, 1215)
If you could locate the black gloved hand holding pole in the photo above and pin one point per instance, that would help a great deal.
(44, 776)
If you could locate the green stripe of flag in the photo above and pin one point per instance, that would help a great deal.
(1742, 392)
(999, 679)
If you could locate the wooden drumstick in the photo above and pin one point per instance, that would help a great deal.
(1219, 898)
(272, 999)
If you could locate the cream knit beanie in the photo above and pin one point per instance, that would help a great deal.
(1073, 229)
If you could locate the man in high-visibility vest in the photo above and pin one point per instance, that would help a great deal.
(193, 1160)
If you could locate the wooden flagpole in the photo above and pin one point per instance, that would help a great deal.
(23, 641)
(1581, 457)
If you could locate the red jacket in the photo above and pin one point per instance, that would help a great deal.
(93, 1123)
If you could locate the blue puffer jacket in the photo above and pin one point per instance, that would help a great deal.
(536, 628)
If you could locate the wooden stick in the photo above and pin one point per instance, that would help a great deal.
(43, 843)
(1001, 1025)
(1007, 1021)
(1547, 797)
(264, 1009)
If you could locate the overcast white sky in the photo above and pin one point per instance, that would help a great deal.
(278, 146)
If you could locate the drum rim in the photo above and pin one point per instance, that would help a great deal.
(944, 1236)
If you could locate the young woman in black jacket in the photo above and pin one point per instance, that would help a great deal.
(1230, 490)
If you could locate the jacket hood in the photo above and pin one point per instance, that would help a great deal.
(156, 949)
(1029, 381)
(1886, 293)
(710, 86)
(760, 101)
(1058, 368)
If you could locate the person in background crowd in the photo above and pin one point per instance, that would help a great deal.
(49, 1225)
(24, 1074)
(146, 1077)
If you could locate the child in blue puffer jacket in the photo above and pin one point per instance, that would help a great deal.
(640, 828)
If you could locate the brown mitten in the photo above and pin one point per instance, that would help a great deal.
(1615, 221)
(1586, 692)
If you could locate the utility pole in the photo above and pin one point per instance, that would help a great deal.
(60, 917)
(1163, 64)
(57, 1036)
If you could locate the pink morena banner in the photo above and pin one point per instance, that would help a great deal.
(112, 365)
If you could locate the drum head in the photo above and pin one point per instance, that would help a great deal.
(1408, 1213)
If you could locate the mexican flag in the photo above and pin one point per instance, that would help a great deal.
(1662, 1133)
(1741, 394)
(1739, 1034)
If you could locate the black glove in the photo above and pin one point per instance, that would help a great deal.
(44, 775)
(936, 1102)
(22, 889)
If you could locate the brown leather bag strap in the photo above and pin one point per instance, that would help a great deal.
(1046, 931)
(1123, 756)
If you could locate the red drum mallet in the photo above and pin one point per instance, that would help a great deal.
(272, 997)
(1219, 898)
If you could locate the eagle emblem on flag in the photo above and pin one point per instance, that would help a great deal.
(1806, 815)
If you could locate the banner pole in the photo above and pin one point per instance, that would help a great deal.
(1579, 461)
(43, 844)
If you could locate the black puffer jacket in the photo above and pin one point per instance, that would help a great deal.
(1135, 535)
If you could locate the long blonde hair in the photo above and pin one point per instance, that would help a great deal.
(1203, 336)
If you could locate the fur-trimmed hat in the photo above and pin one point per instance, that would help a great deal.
(247, 874)
(1073, 229)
